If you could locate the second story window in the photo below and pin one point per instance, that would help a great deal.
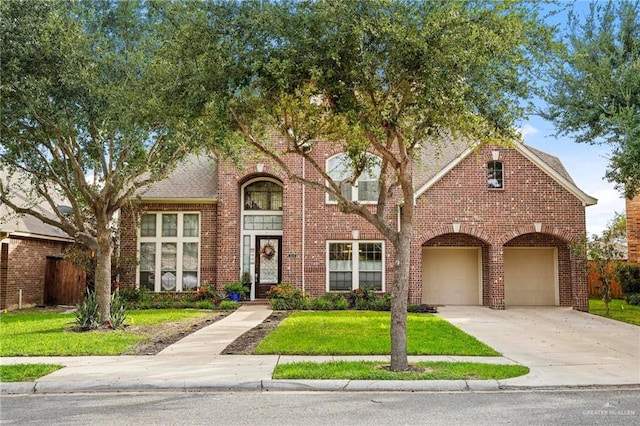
(495, 175)
(366, 187)
(263, 195)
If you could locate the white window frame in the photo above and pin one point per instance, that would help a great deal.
(346, 174)
(355, 265)
(491, 169)
(179, 240)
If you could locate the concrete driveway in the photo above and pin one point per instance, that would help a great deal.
(562, 347)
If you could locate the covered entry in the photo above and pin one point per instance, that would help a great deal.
(452, 275)
(531, 276)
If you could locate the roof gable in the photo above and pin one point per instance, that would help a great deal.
(549, 164)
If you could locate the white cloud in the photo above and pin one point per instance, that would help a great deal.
(527, 129)
(598, 216)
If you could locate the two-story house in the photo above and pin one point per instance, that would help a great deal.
(493, 226)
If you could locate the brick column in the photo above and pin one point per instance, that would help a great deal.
(496, 277)
(579, 283)
(4, 267)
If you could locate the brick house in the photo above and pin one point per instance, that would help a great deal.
(27, 249)
(492, 227)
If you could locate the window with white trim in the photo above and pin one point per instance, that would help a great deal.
(169, 249)
(495, 175)
(366, 188)
(353, 264)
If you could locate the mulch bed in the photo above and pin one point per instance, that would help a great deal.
(246, 344)
(243, 345)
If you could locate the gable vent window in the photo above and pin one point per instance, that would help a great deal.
(495, 175)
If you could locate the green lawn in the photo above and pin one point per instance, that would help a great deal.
(368, 370)
(366, 333)
(26, 372)
(50, 334)
(619, 310)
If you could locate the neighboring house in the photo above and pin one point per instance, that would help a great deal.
(633, 230)
(30, 251)
(492, 227)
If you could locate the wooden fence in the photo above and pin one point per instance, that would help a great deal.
(64, 284)
(594, 282)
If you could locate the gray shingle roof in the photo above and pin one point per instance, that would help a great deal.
(553, 162)
(194, 178)
(10, 222)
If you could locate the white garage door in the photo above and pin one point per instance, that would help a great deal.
(530, 276)
(451, 276)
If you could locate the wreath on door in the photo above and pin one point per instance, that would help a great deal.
(267, 251)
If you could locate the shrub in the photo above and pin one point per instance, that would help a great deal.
(118, 311)
(381, 303)
(204, 304)
(422, 309)
(633, 299)
(329, 301)
(285, 297)
(131, 296)
(229, 305)
(87, 316)
(186, 303)
(366, 298)
(628, 275)
(208, 292)
(321, 304)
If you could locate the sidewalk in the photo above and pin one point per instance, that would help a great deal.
(195, 364)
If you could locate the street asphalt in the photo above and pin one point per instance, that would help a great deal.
(563, 348)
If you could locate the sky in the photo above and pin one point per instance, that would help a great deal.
(585, 163)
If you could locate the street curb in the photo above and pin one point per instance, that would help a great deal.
(269, 385)
(14, 388)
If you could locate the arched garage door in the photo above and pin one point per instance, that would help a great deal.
(451, 275)
(530, 276)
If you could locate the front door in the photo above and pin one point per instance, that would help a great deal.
(268, 264)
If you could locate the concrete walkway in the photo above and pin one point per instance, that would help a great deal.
(194, 363)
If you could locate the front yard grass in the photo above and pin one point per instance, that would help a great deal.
(366, 333)
(50, 334)
(619, 310)
(26, 372)
(371, 370)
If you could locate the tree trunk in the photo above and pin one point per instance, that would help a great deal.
(399, 298)
(103, 273)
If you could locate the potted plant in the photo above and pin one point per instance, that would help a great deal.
(235, 290)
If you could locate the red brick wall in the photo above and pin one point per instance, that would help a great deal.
(322, 222)
(633, 229)
(487, 218)
(24, 269)
(208, 236)
(498, 216)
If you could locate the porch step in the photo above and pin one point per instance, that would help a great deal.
(256, 302)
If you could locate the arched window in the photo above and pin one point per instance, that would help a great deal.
(495, 175)
(263, 195)
(366, 188)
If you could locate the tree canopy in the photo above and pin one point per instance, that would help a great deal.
(371, 77)
(595, 95)
(84, 118)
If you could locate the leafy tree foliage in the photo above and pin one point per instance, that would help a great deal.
(596, 93)
(84, 118)
(370, 77)
(604, 251)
